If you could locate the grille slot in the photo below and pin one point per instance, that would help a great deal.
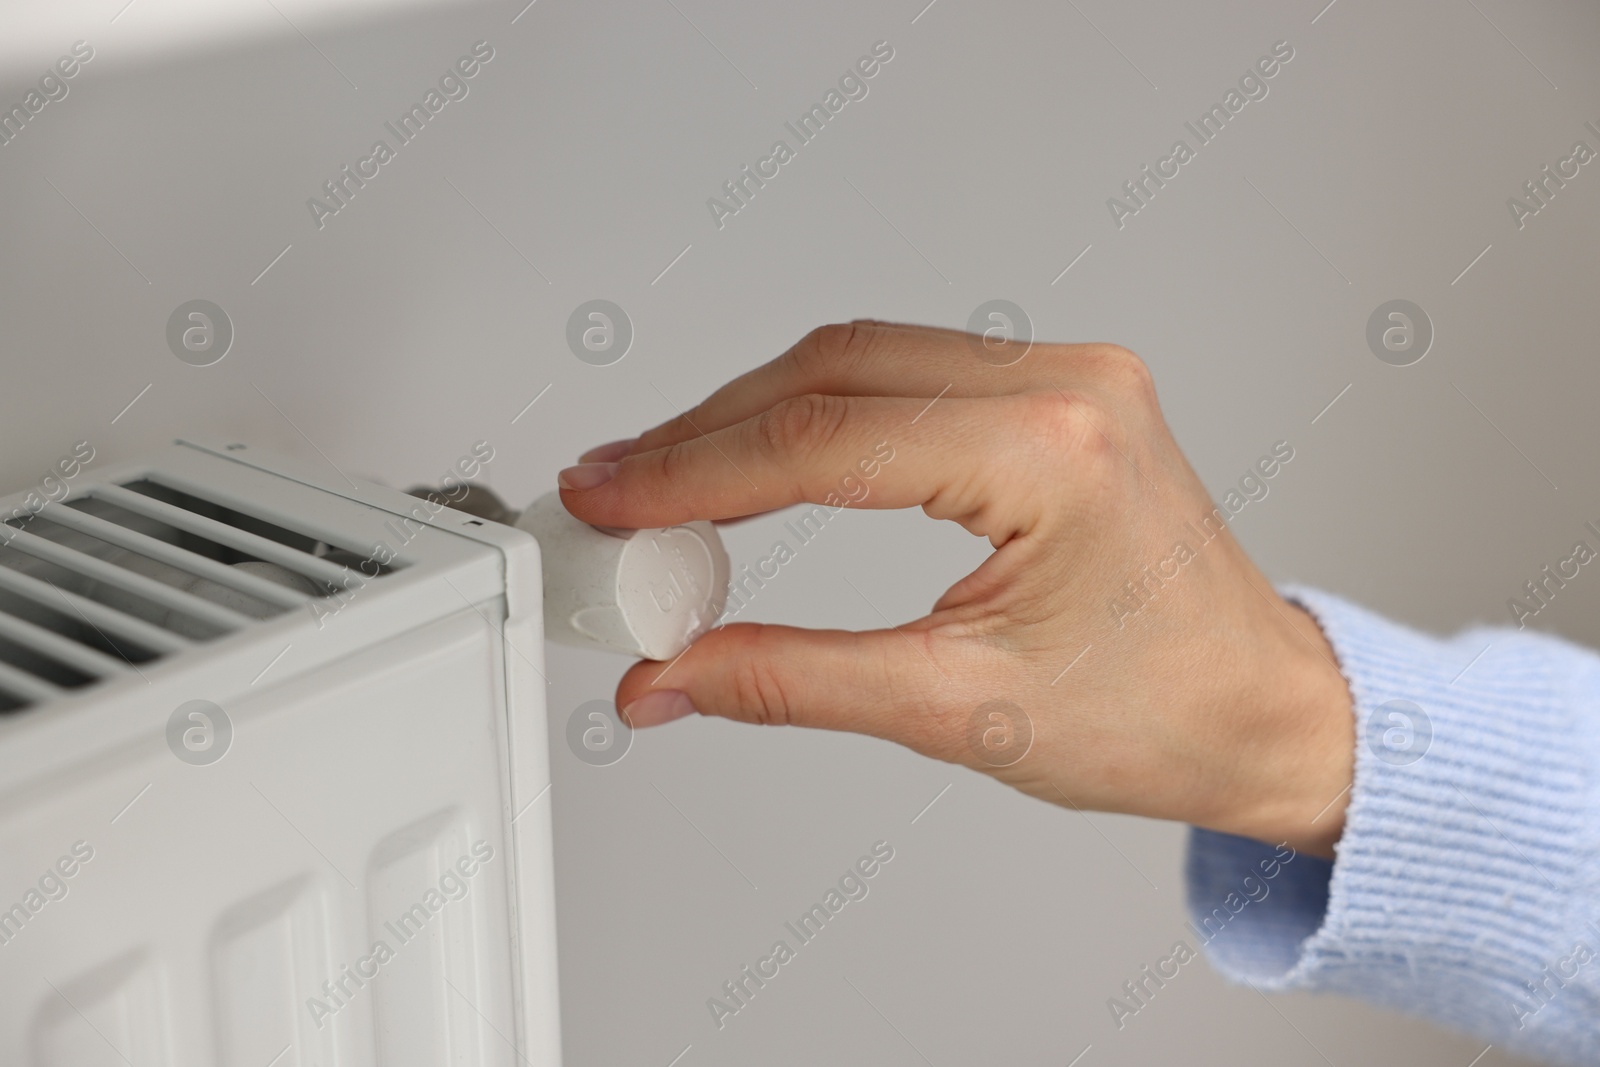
(123, 535)
(42, 603)
(26, 688)
(86, 660)
(104, 580)
(252, 537)
(327, 562)
(124, 575)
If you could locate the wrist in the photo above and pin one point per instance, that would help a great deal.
(1301, 743)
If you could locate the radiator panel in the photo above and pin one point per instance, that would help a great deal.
(231, 911)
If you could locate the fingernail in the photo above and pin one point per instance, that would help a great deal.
(609, 452)
(586, 475)
(658, 706)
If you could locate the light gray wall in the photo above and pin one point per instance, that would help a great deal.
(408, 327)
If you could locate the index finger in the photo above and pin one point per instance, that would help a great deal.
(873, 452)
(862, 358)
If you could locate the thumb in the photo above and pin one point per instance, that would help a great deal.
(884, 683)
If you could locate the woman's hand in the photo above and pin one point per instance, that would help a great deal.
(1196, 694)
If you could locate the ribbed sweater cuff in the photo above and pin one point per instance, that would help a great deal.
(1466, 865)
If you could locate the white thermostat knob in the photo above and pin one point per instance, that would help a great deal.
(648, 593)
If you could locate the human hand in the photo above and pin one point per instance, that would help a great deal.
(1206, 698)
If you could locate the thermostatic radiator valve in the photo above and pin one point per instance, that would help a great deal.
(648, 593)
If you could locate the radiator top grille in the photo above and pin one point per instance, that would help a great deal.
(94, 587)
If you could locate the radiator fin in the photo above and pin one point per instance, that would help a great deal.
(110, 1017)
(269, 956)
(420, 1010)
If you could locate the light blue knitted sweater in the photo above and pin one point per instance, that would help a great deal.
(1466, 887)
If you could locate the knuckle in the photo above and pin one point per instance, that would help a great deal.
(802, 424)
(1080, 434)
(674, 462)
(761, 694)
(678, 428)
(830, 352)
(1122, 370)
(1062, 422)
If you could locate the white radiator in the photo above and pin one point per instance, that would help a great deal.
(247, 821)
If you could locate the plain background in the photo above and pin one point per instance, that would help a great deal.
(429, 312)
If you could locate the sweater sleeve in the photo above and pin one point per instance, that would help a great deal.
(1466, 887)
